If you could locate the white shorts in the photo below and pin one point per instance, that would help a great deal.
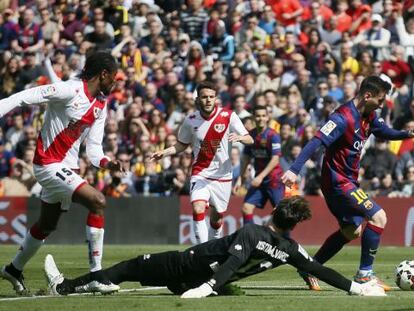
(213, 192)
(58, 183)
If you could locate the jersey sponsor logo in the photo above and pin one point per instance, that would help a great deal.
(238, 247)
(328, 127)
(272, 251)
(359, 145)
(48, 91)
(220, 127)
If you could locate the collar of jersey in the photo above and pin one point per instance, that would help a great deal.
(86, 90)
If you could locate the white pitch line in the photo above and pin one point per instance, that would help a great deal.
(129, 290)
(281, 287)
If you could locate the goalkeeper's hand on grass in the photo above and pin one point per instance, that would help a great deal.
(200, 292)
(370, 288)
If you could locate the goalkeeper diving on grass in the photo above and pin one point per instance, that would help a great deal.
(205, 269)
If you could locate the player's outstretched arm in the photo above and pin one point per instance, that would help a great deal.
(302, 261)
(37, 95)
(177, 148)
(381, 130)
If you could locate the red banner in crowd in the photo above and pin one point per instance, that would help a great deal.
(13, 220)
(399, 230)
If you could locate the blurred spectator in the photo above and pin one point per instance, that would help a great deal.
(10, 78)
(68, 24)
(98, 15)
(193, 19)
(116, 15)
(378, 161)
(151, 182)
(376, 39)
(99, 37)
(29, 36)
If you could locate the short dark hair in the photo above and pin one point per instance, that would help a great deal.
(375, 85)
(291, 211)
(206, 85)
(98, 62)
(259, 107)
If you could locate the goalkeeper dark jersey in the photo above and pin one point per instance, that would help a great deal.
(254, 249)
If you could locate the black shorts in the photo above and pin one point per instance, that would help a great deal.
(176, 270)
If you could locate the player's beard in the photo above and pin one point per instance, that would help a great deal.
(206, 112)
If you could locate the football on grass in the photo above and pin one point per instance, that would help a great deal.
(404, 275)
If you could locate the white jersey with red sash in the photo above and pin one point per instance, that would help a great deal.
(209, 140)
(72, 115)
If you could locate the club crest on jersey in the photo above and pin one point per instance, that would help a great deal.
(328, 127)
(48, 91)
(220, 127)
(224, 114)
(96, 112)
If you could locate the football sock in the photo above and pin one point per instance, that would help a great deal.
(248, 219)
(214, 232)
(95, 236)
(200, 228)
(369, 245)
(32, 242)
(330, 247)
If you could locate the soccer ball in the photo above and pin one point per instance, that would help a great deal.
(404, 275)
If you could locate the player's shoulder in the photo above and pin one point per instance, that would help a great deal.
(68, 86)
(192, 116)
(226, 112)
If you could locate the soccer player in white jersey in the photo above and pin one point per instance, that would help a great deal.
(76, 110)
(210, 132)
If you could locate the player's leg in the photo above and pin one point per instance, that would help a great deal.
(248, 213)
(371, 237)
(254, 198)
(199, 196)
(216, 223)
(47, 222)
(220, 193)
(95, 202)
(150, 269)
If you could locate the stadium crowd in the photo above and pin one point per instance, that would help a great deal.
(300, 58)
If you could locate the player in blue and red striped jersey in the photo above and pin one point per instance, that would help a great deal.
(344, 136)
(266, 152)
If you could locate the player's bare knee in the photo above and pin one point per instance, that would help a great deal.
(99, 202)
(247, 209)
(199, 208)
(379, 219)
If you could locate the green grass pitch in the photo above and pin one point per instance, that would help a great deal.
(278, 289)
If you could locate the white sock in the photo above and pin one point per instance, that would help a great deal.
(200, 230)
(95, 237)
(214, 233)
(27, 250)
